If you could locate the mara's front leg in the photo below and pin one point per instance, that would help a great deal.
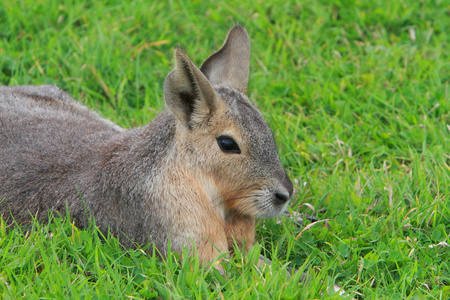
(212, 242)
(240, 229)
(203, 226)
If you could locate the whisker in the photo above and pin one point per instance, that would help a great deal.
(253, 186)
(248, 206)
(241, 197)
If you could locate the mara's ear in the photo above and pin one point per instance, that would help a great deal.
(188, 93)
(230, 65)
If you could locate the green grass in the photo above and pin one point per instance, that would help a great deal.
(357, 93)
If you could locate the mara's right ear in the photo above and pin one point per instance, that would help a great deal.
(230, 66)
(188, 93)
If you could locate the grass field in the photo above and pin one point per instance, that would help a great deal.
(357, 94)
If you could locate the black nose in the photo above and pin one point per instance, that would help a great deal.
(288, 185)
(281, 198)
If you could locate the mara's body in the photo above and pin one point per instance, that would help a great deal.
(200, 172)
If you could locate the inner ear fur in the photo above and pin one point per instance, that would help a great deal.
(230, 66)
(188, 93)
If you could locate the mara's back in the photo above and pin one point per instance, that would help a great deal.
(44, 135)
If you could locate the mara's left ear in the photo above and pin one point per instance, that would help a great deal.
(230, 65)
(188, 93)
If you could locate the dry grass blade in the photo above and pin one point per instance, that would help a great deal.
(309, 226)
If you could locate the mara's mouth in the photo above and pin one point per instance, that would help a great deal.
(270, 209)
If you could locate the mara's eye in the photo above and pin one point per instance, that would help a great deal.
(228, 145)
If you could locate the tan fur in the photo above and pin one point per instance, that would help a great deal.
(200, 173)
(240, 229)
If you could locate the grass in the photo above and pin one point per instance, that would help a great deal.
(357, 93)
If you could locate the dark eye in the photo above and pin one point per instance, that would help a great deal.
(228, 145)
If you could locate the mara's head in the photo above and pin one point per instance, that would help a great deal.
(222, 137)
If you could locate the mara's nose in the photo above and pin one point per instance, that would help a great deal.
(284, 192)
(287, 183)
(281, 198)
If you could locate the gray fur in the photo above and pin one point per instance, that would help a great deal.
(146, 184)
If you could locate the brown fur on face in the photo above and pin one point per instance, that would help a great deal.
(168, 180)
